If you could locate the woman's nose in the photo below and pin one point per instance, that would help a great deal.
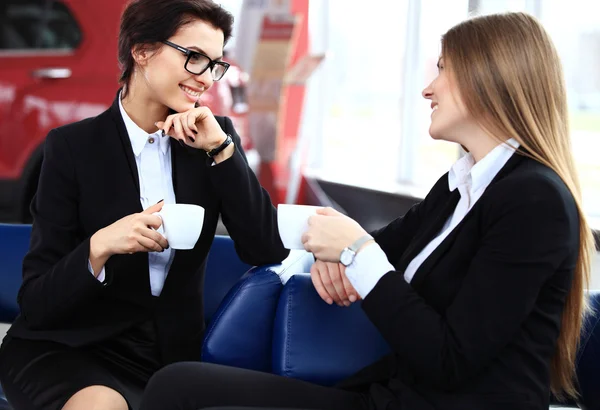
(427, 93)
(205, 79)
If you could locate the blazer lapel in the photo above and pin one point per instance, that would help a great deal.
(190, 180)
(428, 264)
(125, 142)
(430, 230)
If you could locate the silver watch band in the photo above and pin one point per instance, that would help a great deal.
(360, 242)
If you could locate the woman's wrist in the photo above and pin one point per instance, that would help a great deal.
(98, 251)
(225, 154)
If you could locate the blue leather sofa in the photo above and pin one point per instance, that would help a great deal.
(305, 338)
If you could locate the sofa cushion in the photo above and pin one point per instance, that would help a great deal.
(320, 343)
(14, 244)
(241, 330)
(223, 269)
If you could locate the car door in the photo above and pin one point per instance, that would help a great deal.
(38, 52)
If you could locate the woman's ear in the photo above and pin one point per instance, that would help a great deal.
(140, 54)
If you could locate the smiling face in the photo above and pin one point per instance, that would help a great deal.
(164, 73)
(450, 120)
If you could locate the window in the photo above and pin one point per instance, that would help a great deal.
(372, 121)
(37, 25)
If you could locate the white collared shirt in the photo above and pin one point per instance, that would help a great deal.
(471, 179)
(153, 159)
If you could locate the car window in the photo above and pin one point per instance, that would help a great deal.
(37, 25)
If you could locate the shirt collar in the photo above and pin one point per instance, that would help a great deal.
(139, 137)
(481, 173)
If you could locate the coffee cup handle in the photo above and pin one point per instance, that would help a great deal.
(161, 228)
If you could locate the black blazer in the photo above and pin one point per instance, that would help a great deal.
(477, 326)
(89, 180)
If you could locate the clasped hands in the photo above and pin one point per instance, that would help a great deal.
(329, 232)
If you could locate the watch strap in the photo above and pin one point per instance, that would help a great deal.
(220, 148)
(360, 242)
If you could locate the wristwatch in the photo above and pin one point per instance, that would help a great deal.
(348, 254)
(221, 147)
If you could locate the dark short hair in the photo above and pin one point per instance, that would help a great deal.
(150, 22)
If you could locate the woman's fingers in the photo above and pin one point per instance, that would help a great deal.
(148, 245)
(315, 275)
(350, 291)
(184, 121)
(338, 284)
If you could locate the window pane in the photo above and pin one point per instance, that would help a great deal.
(434, 158)
(31, 25)
(362, 77)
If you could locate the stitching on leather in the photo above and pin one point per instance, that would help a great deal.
(289, 332)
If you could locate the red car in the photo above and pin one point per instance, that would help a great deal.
(58, 64)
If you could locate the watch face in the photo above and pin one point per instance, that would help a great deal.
(346, 257)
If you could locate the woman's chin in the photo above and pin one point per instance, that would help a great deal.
(434, 134)
(181, 105)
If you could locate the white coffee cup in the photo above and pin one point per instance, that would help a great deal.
(292, 221)
(181, 224)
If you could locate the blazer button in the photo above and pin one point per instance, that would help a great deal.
(151, 140)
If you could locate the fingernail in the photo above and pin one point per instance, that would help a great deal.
(192, 139)
(352, 298)
(346, 303)
(329, 301)
(162, 132)
(159, 202)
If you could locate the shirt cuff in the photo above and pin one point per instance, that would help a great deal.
(369, 265)
(101, 276)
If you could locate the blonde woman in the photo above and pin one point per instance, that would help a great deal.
(479, 289)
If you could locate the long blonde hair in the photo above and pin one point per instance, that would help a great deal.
(510, 79)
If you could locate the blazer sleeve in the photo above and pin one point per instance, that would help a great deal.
(56, 279)
(246, 208)
(527, 234)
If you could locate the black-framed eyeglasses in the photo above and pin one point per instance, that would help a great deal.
(197, 63)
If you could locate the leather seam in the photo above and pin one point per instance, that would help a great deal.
(289, 328)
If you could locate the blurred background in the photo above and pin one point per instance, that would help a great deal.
(326, 94)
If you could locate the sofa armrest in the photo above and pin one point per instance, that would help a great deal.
(241, 331)
(316, 342)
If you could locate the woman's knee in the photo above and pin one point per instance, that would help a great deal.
(179, 375)
(96, 398)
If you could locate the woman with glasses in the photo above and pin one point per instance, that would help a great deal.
(104, 301)
(479, 288)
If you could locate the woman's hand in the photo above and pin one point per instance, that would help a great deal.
(331, 283)
(131, 234)
(197, 128)
(329, 232)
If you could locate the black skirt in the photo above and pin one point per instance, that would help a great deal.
(43, 375)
